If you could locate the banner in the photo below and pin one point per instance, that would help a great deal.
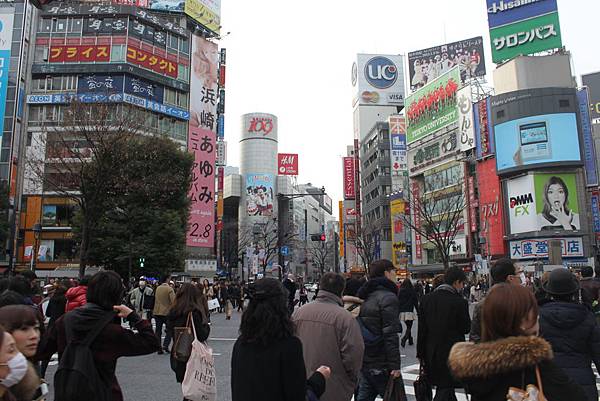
(484, 140)
(589, 150)
(203, 83)
(592, 81)
(6, 32)
(525, 37)
(287, 163)
(205, 12)
(432, 107)
(426, 65)
(418, 245)
(259, 194)
(378, 80)
(538, 248)
(349, 180)
(79, 54)
(466, 126)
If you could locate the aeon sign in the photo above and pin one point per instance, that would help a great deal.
(381, 72)
(261, 125)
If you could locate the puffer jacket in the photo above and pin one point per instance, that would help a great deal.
(572, 331)
(380, 314)
(488, 369)
(76, 297)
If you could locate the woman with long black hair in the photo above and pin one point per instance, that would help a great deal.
(409, 303)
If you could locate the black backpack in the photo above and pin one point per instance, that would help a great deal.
(77, 378)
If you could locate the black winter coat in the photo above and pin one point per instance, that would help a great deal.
(488, 369)
(408, 300)
(202, 333)
(443, 321)
(572, 331)
(380, 314)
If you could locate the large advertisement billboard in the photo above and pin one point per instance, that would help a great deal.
(491, 214)
(504, 12)
(543, 202)
(378, 80)
(524, 37)
(546, 138)
(432, 107)
(167, 5)
(428, 64)
(592, 81)
(205, 12)
(203, 83)
(6, 28)
(259, 194)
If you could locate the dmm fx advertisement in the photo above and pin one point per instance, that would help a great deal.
(543, 202)
(432, 107)
(547, 138)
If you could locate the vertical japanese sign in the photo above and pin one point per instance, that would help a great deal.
(398, 150)
(472, 205)
(596, 212)
(417, 220)
(589, 150)
(490, 208)
(202, 142)
(6, 27)
(465, 119)
(483, 129)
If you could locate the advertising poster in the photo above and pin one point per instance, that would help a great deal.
(548, 138)
(490, 208)
(379, 79)
(525, 37)
(592, 81)
(484, 140)
(204, 84)
(432, 107)
(466, 125)
(521, 205)
(589, 150)
(349, 181)
(426, 65)
(503, 12)
(49, 215)
(397, 211)
(6, 28)
(287, 163)
(538, 248)
(167, 5)
(259, 194)
(205, 12)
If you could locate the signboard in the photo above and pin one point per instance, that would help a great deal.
(105, 26)
(200, 265)
(538, 248)
(432, 107)
(397, 212)
(589, 150)
(97, 83)
(287, 163)
(595, 198)
(203, 83)
(202, 144)
(491, 213)
(434, 152)
(592, 81)
(504, 12)
(458, 246)
(472, 204)
(415, 193)
(398, 145)
(546, 138)
(524, 37)
(151, 62)
(349, 179)
(484, 140)
(259, 194)
(205, 12)
(378, 80)
(221, 153)
(79, 54)
(466, 125)
(6, 32)
(543, 202)
(144, 89)
(426, 65)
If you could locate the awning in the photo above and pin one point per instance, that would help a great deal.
(424, 269)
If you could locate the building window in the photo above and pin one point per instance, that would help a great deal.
(183, 72)
(117, 53)
(41, 54)
(59, 25)
(45, 25)
(58, 215)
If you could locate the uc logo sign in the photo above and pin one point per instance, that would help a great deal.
(381, 72)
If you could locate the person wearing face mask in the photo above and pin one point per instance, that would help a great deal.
(571, 328)
(511, 359)
(137, 298)
(13, 370)
(21, 322)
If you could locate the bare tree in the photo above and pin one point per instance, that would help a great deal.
(438, 218)
(76, 159)
(365, 243)
(319, 253)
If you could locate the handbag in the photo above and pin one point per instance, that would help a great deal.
(213, 304)
(422, 386)
(184, 337)
(200, 382)
(531, 392)
(394, 391)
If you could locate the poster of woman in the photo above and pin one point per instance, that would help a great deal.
(556, 202)
(259, 194)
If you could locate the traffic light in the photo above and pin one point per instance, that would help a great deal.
(317, 237)
(322, 238)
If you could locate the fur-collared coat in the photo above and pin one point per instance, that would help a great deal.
(488, 369)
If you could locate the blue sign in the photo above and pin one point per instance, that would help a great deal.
(596, 212)
(547, 138)
(285, 251)
(101, 84)
(4, 65)
(145, 89)
(381, 72)
(221, 126)
(398, 141)
(589, 150)
(157, 107)
(503, 12)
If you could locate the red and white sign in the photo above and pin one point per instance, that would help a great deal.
(349, 178)
(490, 210)
(287, 164)
(417, 219)
(150, 61)
(79, 54)
(261, 125)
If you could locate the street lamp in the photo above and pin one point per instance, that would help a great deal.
(37, 229)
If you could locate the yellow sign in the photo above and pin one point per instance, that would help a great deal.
(397, 210)
(200, 12)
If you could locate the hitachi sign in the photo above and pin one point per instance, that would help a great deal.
(509, 5)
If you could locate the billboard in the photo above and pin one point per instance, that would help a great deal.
(529, 141)
(529, 36)
(378, 80)
(79, 54)
(543, 202)
(287, 163)
(491, 213)
(203, 83)
(484, 140)
(6, 31)
(349, 178)
(426, 65)
(205, 12)
(592, 81)
(504, 12)
(466, 125)
(433, 153)
(152, 62)
(259, 194)
(432, 107)
(589, 150)
(100, 83)
(167, 5)
(538, 248)
(398, 145)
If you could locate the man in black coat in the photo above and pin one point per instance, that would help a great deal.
(379, 316)
(291, 288)
(443, 321)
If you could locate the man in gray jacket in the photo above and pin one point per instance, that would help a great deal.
(331, 336)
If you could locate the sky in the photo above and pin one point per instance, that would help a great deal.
(294, 60)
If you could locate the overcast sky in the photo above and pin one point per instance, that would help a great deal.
(294, 59)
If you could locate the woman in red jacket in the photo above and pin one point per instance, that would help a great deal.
(76, 296)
